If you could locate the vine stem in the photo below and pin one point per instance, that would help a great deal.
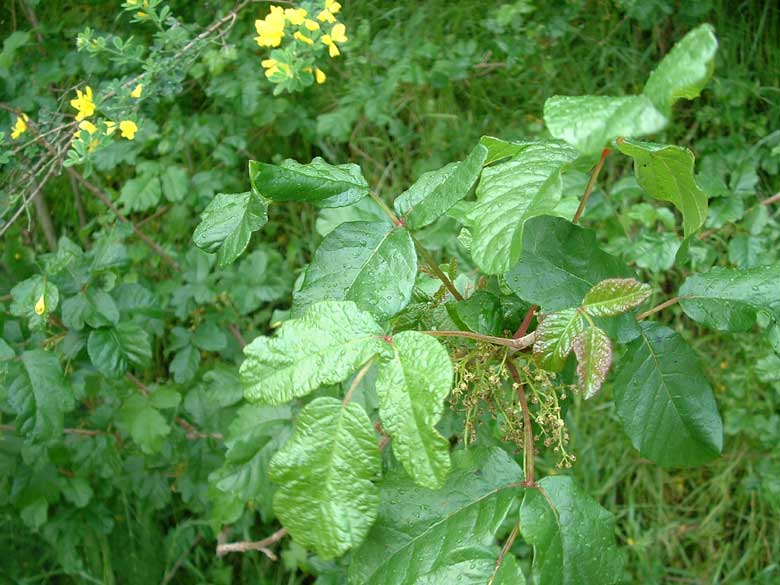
(660, 307)
(528, 431)
(260, 545)
(356, 381)
(504, 550)
(389, 212)
(591, 183)
(515, 344)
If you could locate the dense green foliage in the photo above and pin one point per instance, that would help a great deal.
(248, 296)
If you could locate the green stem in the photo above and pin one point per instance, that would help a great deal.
(528, 441)
(591, 183)
(434, 266)
(389, 212)
(660, 307)
(515, 344)
(356, 381)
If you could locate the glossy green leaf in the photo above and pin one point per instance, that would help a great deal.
(665, 402)
(144, 423)
(685, 71)
(572, 535)
(729, 299)
(436, 192)
(666, 173)
(325, 471)
(113, 349)
(39, 395)
(440, 537)
(614, 296)
(498, 149)
(411, 387)
(555, 336)
(594, 356)
(317, 182)
(26, 295)
(227, 224)
(94, 307)
(560, 263)
(324, 346)
(589, 123)
(510, 193)
(371, 263)
(480, 313)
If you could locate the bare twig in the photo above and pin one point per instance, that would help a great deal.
(434, 266)
(528, 439)
(356, 381)
(591, 183)
(259, 545)
(660, 307)
(515, 344)
(504, 550)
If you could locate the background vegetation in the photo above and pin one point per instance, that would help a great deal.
(416, 86)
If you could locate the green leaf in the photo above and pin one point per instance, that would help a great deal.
(685, 71)
(26, 295)
(317, 182)
(209, 337)
(665, 172)
(480, 313)
(590, 122)
(436, 192)
(95, 307)
(371, 263)
(175, 183)
(141, 193)
(594, 356)
(411, 387)
(572, 535)
(440, 537)
(326, 496)
(39, 395)
(510, 193)
(498, 149)
(665, 402)
(324, 346)
(555, 336)
(560, 263)
(227, 224)
(143, 423)
(614, 296)
(184, 364)
(729, 299)
(113, 349)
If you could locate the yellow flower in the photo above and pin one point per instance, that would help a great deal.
(40, 306)
(20, 127)
(88, 126)
(271, 66)
(312, 25)
(83, 103)
(338, 33)
(319, 75)
(303, 38)
(333, 6)
(141, 14)
(110, 127)
(326, 16)
(271, 30)
(136, 93)
(128, 129)
(296, 16)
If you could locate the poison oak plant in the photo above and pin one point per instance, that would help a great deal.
(380, 335)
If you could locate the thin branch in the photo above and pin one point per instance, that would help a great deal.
(434, 266)
(170, 574)
(504, 550)
(260, 545)
(389, 212)
(517, 344)
(236, 333)
(523, 329)
(528, 431)
(356, 381)
(193, 433)
(660, 307)
(66, 431)
(773, 199)
(591, 183)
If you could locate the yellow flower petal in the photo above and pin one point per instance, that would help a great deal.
(20, 127)
(296, 16)
(88, 126)
(319, 76)
(110, 127)
(303, 38)
(40, 306)
(83, 103)
(136, 93)
(128, 129)
(332, 6)
(312, 25)
(333, 50)
(338, 33)
(268, 63)
(326, 16)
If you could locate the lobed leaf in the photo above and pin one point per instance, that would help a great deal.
(508, 195)
(325, 471)
(594, 357)
(317, 182)
(328, 342)
(411, 387)
(373, 264)
(666, 173)
(614, 296)
(729, 299)
(572, 535)
(665, 402)
(436, 192)
(555, 336)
